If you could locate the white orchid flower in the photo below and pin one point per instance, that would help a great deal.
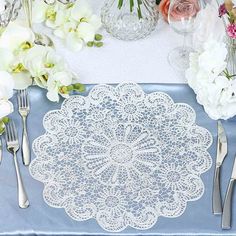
(39, 11)
(7, 59)
(6, 108)
(86, 32)
(34, 60)
(6, 85)
(73, 42)
(22, 80)
(15, 36)
(55, 82)
(57, 15)
(6, 92)
(81, 11)
(64, 30)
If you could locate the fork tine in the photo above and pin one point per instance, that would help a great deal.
(26, 98)
(23, 98)
(14, 131)
(7, 135)
(12, 138)
(20, 98)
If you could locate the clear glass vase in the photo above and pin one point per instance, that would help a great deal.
(129, 22)
(231, 56)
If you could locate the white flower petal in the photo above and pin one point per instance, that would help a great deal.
(73, 42)
(6, 108)
(39, 11)
(22, 80)
(6, 85)
(86, 31)
(15, 35)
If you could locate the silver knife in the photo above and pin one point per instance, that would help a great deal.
(221, 154)
(226, 217)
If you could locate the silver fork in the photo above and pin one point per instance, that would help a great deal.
(24, 109)
(13, 146)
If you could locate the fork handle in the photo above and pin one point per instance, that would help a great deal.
(25, 144)
(216, 198)
(22, 196)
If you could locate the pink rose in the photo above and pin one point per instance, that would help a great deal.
(184, 9)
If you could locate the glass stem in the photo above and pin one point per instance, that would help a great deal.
(27, 6)
(184, 47)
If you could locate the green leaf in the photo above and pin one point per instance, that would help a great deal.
(120, 4)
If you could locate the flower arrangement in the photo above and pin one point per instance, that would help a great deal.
(26, 64)
(74, 23)
(229, 9)
(208, 74)
(6, 92)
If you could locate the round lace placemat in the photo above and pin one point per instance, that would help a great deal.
(121, 156)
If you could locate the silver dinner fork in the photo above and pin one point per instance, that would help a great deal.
(13, 146)
(24, 109)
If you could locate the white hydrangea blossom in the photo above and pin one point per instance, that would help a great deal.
(205, 74)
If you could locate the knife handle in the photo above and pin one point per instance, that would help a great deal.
(226, 217)
(0, 150)
(216, 198)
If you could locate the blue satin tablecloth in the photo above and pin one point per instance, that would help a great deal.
(40, 219)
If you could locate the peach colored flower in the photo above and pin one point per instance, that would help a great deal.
(164, 8)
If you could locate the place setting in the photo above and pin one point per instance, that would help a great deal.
(122, 157)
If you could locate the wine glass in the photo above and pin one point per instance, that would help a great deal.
(8, 11)
(181, 17)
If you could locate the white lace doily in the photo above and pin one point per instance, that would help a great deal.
(122, 157)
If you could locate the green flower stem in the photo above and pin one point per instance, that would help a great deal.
(131, 2)
(227, 74)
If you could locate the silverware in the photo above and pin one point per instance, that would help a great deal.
(13, 147)
(221, 154)
(24, 108)
(226, 217)
(0, 150)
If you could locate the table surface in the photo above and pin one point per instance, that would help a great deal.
(142, 61)
(40, 219)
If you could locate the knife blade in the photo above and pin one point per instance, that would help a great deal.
(227, 210)
(221, 144)
(222, 149)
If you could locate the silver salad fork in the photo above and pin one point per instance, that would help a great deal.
(24, 109)
(13, 146)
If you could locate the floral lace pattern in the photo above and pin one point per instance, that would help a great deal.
(121, 156)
